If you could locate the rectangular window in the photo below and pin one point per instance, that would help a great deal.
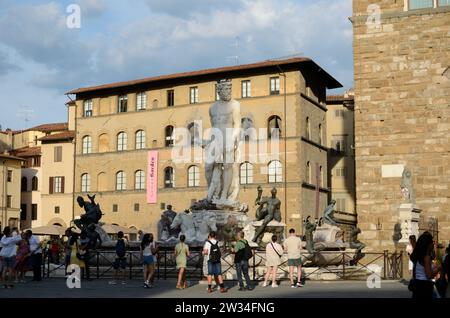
(87, 108)
(338, 113)
(9, 175)
(340, 205)
(163, 206)
(136, 207)
(246, 89)
(170, 97)
(34, 215)
(420, 4)
(115, 208)
(339, 172)
(8, 201)
(23, 212)
(217, 92)
(123, 104)
(193, 95)
(141, 101)
(58, 153)
(274, 86)
(58, 185)
(56, 209)
(339, 144)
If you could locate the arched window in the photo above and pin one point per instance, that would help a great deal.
(308, 172)
(85, 182)
(87, 144)
(139, 180)
(155, 103)
(274, 126)
(169, 136)
(307, 129)
(246, 125)
(140, 139)
(102, 182)
(34, 183)
(103, 143)
(194, 132)
(122, 141)
(275, 171)
(24, 184)
(246, 173)
(193, 176)
(169, 178)
(320, 134)
(121, 181)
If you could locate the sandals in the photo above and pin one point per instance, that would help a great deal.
(179, 287)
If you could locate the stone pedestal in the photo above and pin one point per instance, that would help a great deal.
(326, 233)
(409, 216)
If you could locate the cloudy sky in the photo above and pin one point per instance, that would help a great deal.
(41, 58)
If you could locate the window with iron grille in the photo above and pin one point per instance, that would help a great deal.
(170, 97)
(193, 95)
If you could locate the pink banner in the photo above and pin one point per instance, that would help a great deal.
(152, 176)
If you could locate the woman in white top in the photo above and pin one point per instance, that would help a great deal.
(148, 250)
(424, 271)
(274, 252)
(8, 254)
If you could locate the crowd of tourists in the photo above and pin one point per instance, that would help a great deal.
(21, 252)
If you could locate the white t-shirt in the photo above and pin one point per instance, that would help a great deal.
(207, 245)
(9, 245)
(147, 251)
(292, 246)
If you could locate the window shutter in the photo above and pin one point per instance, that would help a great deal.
(50, 183)
(62, 184)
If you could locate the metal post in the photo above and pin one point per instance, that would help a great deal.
(254, 267)
(343, 265)
(48, 265)
(165, 264)
(157, 265)
(385, 255)
(131, 270)
(401, 264)
(98, 264)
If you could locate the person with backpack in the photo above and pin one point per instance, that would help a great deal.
(212, 252)
(243, 253)
(120, 264)
(293, 245)
(274, 252)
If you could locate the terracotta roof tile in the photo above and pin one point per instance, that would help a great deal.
(70, 134)
(337, 98)
(7, 156)
(331, 82)
(27, 151)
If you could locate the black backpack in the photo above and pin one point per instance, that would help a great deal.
(120, 248)
(214, 253)
(248, 254)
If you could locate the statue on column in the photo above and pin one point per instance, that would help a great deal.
(222, 150)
